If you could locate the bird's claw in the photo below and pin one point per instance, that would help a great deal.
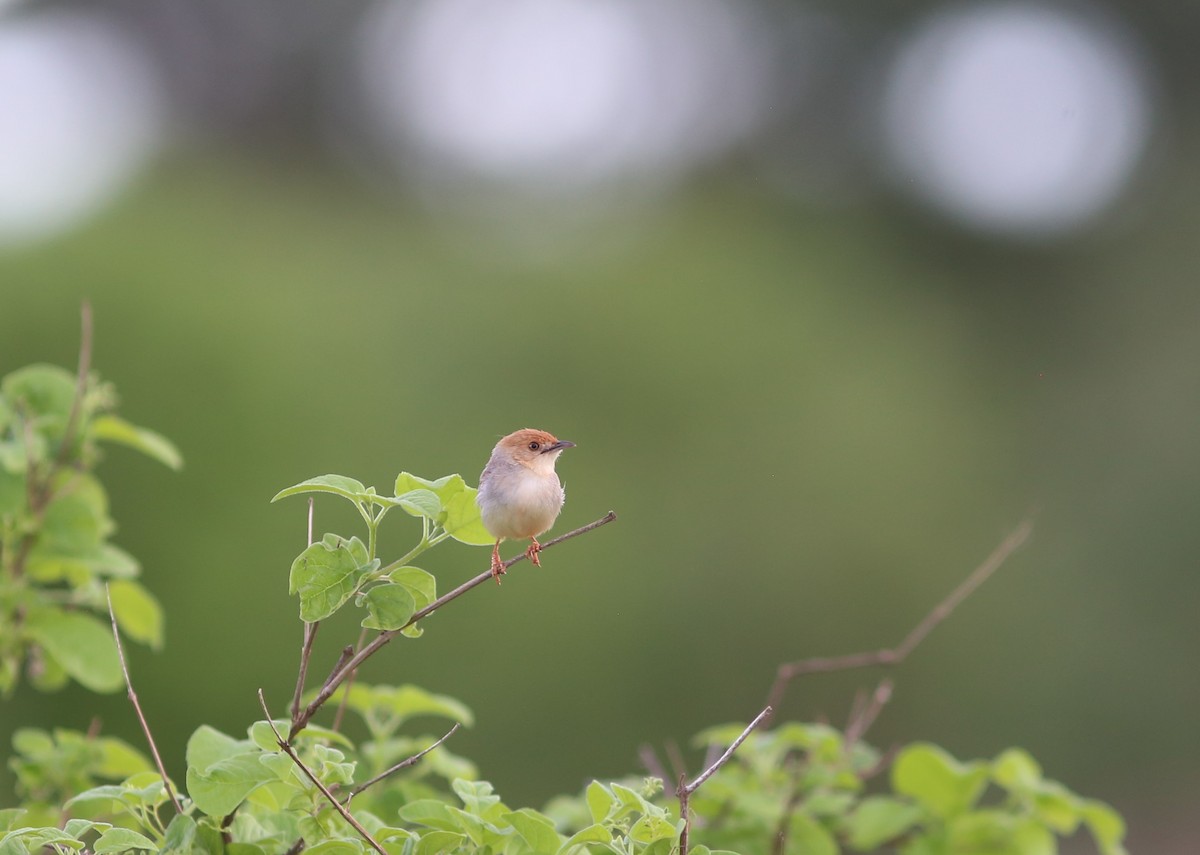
(532, 553)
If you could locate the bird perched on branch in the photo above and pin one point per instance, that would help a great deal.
(519, 492)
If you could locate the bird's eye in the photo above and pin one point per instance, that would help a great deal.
(534, 446)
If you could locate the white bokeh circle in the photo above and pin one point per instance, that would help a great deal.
(1016, 117)
(80, 112)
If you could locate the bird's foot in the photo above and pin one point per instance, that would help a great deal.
(497, 565)
(532, 552)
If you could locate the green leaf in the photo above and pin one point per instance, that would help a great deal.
(1057, 807)
(22, 841)
(76, 521)
(420, 584)
(181, 836)
(878, 819)
(477, 796)
(439, 842)
(119, 759)
(1106, 825)
(81, 644)
(347, 846)
(1016, 771)
(807, 835)
(600, 801)
(420, 503)
(207, 746)
(401, 703)
(138, 612)
(536, 830)
(388, 607)
(592, 834)
(431, 813)
(463, 522)
(10, 818)
(223, 786)
(339, 485)
(938, 781)
(46, 392)
(154, 445)
(122, 840)
(443, 487)
(327, 574)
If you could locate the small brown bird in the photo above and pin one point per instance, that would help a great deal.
(519, 492)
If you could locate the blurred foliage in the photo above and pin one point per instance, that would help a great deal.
(812, 422)
(56, 565)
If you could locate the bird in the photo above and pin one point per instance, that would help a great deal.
(520, 495)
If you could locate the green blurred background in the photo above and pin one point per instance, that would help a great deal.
(814, 410)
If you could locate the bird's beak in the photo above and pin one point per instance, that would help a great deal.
(559, 446)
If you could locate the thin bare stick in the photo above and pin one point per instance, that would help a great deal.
(137, 707)
(675, 758)
(865, 716)
(895, 655)
(287, 749)
(344, 669)
(341, 707)
(310, 636)
(403, 764)
(684, 791)
(650, 760)
(85, 365)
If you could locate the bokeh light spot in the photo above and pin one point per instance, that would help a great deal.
(1015, 117)
(79, 113)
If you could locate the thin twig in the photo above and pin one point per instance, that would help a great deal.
(675, 758)
(403, 764)
(895, 655)
(650, 760)
(340, 713)
(684, 791)
(865, 716)
(310, 636)
(287, 749)
(344, 669)
(85, 365)
(137, 707)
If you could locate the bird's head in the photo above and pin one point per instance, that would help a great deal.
(535, 449)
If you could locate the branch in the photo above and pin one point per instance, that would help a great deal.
(290, 752)
(310, 635)
(863, 717)
(85, 365)
(403, 764)
(348, 667)
(684, 791)
(895, 655)
(137, 707)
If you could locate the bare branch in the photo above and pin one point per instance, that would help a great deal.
(85, 365)
(650, 760)
(684, 790)
(341, 707)
(895, 655)
(867, 712)
(403, 764)
(344, 669)
(137, 707)
(310, 636)
(287, 749)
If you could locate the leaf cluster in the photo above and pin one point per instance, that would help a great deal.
(55, 554)
(336, 569)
